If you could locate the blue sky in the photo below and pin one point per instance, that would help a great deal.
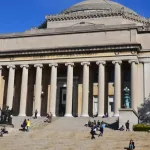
(21, 15)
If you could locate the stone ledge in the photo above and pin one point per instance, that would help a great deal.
(96, 48)
(69, 30)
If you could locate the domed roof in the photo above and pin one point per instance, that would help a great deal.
(99, 5)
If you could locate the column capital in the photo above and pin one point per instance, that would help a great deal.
(11, 66)
(38, 65)
(117, 61)
(101, 62)
(85, 63)
(69, 64)
(131, 61)
(53, 64)
(22, 66)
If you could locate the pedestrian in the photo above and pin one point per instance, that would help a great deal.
(127, 124)
(28, 125)
(93, 132)
(36, 112)
(102, 126)
(131, 145)
(0, 114)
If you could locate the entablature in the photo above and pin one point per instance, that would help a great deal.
(64, 50)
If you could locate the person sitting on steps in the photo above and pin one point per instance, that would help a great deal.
(24, 124)
(131, 145)
(98, 123)
(3, 131)
(48, 117)
(121, 128)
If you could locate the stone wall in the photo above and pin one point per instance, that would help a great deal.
(66, 40)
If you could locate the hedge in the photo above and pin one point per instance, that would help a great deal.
(141, 127)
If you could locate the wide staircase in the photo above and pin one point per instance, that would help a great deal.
(69, 134)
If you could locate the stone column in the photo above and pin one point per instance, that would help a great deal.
(1, 72)
(133, 84)
(1, 98)
(69, 89)
(10, 88)
(146, 77)
(140, 83)
(117, 84)
(38, 88)
(85, 89)
(101, 87)
(53, 88)
(24, 88)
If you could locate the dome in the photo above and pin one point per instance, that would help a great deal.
(99, 5)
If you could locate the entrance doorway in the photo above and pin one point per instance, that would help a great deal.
(110, 106)
(95, 105)
(62, 102)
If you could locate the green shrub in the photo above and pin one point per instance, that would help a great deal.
(141, 127)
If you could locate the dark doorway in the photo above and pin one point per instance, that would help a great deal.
(62, 101)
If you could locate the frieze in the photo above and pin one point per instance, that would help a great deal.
(129, 46)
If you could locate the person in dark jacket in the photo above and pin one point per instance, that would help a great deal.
(35, 114)
(127, 124)
(93, 130)
(24, 124)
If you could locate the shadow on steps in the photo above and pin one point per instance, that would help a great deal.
(113, 126)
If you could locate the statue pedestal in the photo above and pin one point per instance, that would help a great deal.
(126, 114)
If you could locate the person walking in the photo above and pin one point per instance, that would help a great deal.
(93, 132)
(28, 125)
(102, 126)
(36, 112)
(127, 124)
(0, 114)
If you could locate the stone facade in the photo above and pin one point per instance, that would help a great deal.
(77, 62)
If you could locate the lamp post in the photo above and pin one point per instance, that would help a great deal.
(127, 97)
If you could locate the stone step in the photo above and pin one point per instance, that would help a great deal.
(70, 134)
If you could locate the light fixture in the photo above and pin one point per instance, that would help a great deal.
(64, 85)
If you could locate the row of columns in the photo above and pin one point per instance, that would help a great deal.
(85, 95)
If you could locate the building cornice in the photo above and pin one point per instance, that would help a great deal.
(144, 59)
(69, 30)
(64, 50)
(144, 29)
(97, 14)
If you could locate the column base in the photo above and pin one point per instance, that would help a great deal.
(84, 115)
(68, 115)
(22, 115)
(37, 116)
(116, 115)
(100, 115)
